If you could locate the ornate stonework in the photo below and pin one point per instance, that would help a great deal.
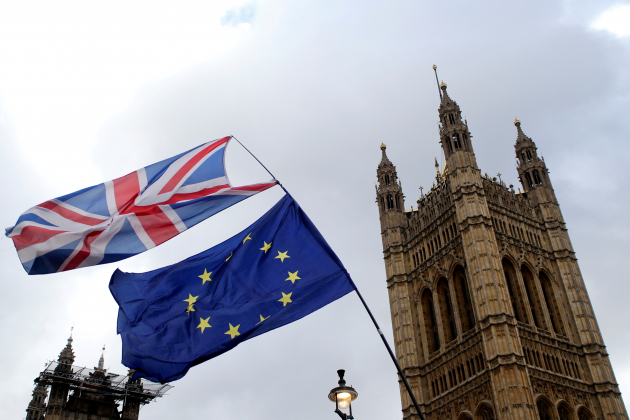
(490, 314)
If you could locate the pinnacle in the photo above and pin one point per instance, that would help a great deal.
(520, 136)
(384, 160)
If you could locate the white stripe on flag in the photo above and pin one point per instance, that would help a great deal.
(111, 198)
(142, 235)
(173, 217)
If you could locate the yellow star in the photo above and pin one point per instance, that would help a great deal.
(205, 276)
(293, 277)
(189, 309)
(285, 299)
(203, 324)
(266, 246)
(226, 260)
(282, 255)
(233, 332)
(248, 238)
(191, 299)
(262, 319)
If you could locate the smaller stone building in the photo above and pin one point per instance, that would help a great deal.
(80, 393)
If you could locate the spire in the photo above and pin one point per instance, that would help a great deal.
(454, 134)
(520, 136)
(101, 361)
(66, 357)
(384, 159)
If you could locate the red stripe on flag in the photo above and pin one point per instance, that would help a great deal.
(255, 187)
(157, 225)
(69, 214)
(126, 189)
(84, 252)
(172, 183)
(176, 198)
(32, 235)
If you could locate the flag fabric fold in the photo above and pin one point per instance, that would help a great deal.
(276, 271)
(128, 215)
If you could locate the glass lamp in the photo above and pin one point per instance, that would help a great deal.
(343, 396)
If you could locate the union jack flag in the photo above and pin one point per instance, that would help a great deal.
(129, 215)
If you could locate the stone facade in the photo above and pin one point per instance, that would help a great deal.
(490, 314)
(78, 396)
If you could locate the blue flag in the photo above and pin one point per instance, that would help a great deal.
(277, 271)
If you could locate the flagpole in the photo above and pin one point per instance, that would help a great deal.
(391, 354)
(261, 164)
(389, 349)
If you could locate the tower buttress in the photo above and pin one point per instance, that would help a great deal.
(454, 134)
(59, 391)
(532, 170)
(37, 406)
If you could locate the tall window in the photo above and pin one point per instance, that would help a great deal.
(552, 304)
(446, 311)
(390, 202)
(386, 179)
(528, 178)
(564, 412)
(462, 297)
(486, 414)
(430, 324)
(514, 290)
(533, 297)
(451, 118)
(537, 178)
(456, 141)
(529, 155)
(544, 410)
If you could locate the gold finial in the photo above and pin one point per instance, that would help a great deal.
(442, 85)
(517, 121)
(383, 147)
(434, 67)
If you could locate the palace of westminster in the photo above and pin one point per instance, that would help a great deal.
(490, 313)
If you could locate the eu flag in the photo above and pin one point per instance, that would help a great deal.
(276, 271)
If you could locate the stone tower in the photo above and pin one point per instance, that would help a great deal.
(490, 314)
(80, 393)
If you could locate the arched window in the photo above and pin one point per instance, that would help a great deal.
(462, 297)
(524, 158)
(583, 414)
(448, 144)
(514, 290)
(532, 296)
(456, 141)
(544, 410)
(537, 178)
(564, 412)
(397, 203)
(386, 179)
(446, 311)
(451, 118)
(528, 178)
(390, 202)
(529, 155)
(430, 324)
(486, 413)
(552, 304)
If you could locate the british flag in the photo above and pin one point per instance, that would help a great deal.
(129, 215)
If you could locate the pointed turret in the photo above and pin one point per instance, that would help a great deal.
(389, 191)
(532, 170)
(101, 361)
(66, 357)
(454, 134)
(37, 406)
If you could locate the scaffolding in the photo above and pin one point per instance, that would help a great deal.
(99, 381)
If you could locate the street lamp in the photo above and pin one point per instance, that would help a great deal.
(343, 396)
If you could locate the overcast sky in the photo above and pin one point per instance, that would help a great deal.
(90, 91)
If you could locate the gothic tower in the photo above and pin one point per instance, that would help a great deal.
(490, 313)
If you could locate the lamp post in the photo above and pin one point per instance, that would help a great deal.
(343, 396)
